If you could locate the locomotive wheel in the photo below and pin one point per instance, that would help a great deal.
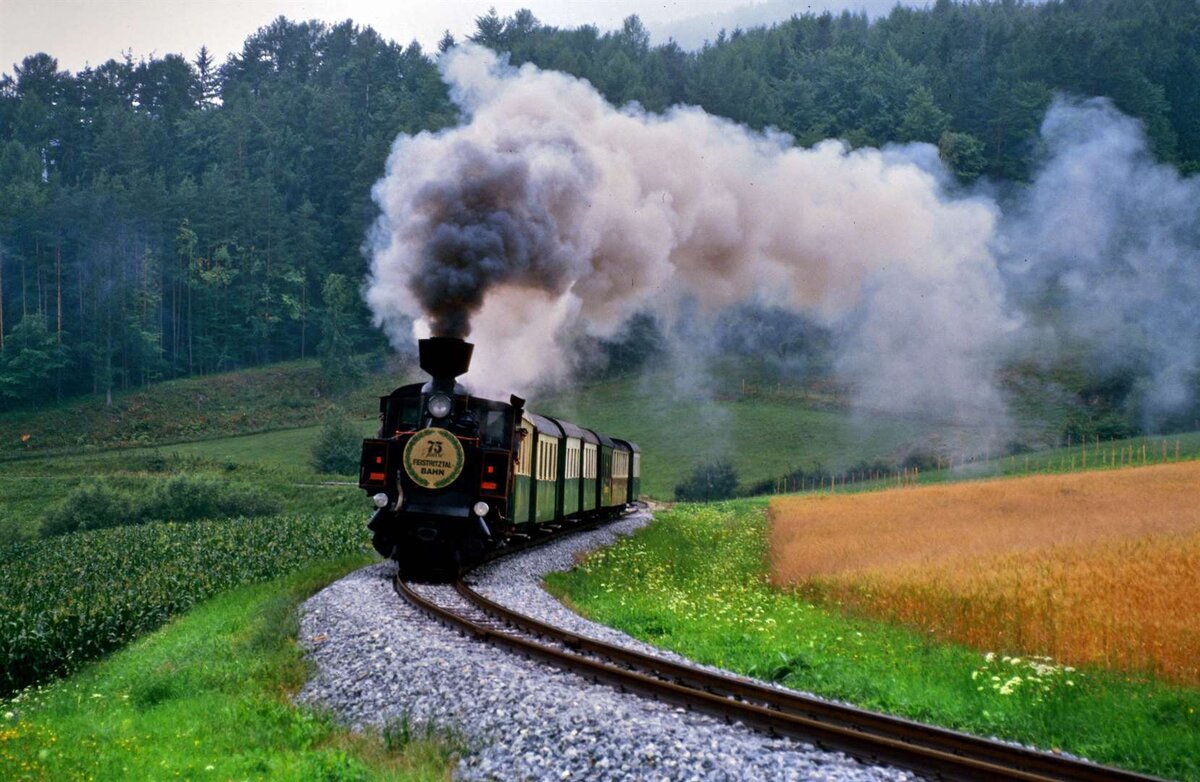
(379, 526)
(385, 546)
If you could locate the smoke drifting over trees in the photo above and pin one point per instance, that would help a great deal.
(164, 217)
(615, 212)
(1112, 239)
(548, 213)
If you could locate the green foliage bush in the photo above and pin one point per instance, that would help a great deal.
(816, 477)
(180, 498)
(187, 499)
(714, 481)
(339, 448)
(83, 595)
(91, 506)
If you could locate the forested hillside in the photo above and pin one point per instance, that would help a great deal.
(167, 217)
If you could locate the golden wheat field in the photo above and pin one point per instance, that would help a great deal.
(1089, 568)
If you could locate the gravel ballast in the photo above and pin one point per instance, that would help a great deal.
(380, 662)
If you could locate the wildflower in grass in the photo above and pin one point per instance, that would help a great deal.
(1035, 677)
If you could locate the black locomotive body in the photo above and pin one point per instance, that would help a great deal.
(455, 476)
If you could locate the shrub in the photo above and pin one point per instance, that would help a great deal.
(151, 462)
(91, 506)
(183, 498)
(715, 481)
(921, 459)
(245, 501)
(339, 448)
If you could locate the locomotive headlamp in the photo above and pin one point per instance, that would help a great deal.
(439, 405)
(380, 500)
(481, 508)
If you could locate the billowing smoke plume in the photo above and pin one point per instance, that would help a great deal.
(1112, 239)
(548, 214)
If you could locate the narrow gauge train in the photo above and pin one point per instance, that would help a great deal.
(455, 476)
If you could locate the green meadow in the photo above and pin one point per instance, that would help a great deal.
(141, 698)
(207, 697)
(696, 582)
(164, 647)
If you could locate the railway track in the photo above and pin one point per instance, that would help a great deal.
(865, 735)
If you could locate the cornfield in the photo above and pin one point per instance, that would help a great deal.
(86, 594)
(1088, 568)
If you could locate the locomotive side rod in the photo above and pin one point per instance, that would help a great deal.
(865, 735)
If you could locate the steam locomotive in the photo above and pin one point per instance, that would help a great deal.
(455, 477)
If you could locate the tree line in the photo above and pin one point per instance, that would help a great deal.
(162, 217)
(975, 78)
(166, 217)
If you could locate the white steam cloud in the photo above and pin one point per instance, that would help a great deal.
(1115, 237)
(548, 214)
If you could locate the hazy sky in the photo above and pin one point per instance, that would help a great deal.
(80, 32)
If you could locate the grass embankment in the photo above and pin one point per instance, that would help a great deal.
(1090, 568)
(286, 449)
(697, 581)
(279, 396)
(267, 416)
(762, 437)
(767, 437)
(206, 697)
(30, 488)
(1101, 455)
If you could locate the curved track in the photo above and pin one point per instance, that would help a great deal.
(868, 736)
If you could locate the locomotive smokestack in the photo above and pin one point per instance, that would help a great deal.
(445, 358)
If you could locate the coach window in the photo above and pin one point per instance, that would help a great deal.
(572, 468)
(524, 452)
(547, 460)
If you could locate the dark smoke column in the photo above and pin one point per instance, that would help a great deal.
(488, 224)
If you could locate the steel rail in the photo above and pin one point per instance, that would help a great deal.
(1032, 764)
(865, 735)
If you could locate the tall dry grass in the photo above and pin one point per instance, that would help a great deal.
(1092, 568)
